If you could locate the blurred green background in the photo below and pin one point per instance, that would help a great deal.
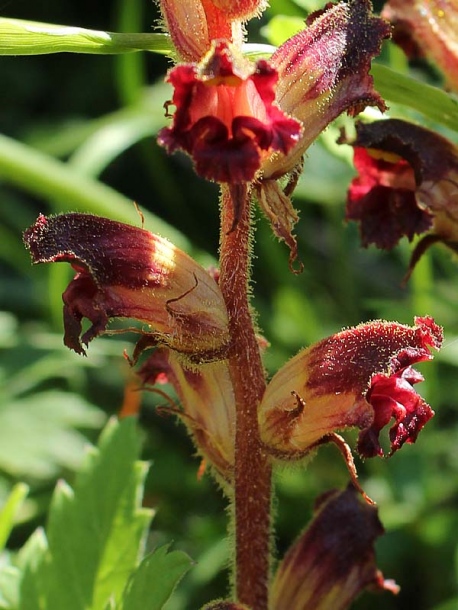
(97, 116)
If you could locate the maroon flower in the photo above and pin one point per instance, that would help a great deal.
(127, 272)
(333, 561)
(407, 185)
(360, 377)
(225, 116)
(244, 122)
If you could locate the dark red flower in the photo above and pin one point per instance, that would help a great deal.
(360, 377)
(382, 198)
(225, 117)
(126, 272)
(407, 185)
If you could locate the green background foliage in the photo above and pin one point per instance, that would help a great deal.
(77, 133)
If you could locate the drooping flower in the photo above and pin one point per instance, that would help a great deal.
(244, 122)
(407, 185)
(333, 561)
(427, 29)
(207, 404)
(126, 272)
(361, 377)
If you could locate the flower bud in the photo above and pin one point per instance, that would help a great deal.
(193, 24)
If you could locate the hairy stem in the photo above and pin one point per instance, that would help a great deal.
(252, 467)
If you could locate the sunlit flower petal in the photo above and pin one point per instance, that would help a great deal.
(207, 402)
(126, 272)
(360, 377)
(427, 29)
(225, 117)
(333, 561)
(407, 185)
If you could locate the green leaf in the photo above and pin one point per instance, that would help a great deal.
(9, 511)
(38, 436)
(9, 588)
(282, 27)
(96, 533)
(18, 37)
(430, 101)
(68, 189)
(155, 579)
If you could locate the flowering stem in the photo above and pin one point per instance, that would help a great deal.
(252, 500)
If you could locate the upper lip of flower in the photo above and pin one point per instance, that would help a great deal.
(124, 271)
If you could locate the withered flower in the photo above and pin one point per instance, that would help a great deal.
(407, 185)
(126, 272)
(333, 561)
(361, 377)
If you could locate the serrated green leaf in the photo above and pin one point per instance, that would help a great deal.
(96, 533)
(21, 37)
(153, 582)
(31, 560)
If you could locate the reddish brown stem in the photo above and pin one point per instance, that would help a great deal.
(252, 467)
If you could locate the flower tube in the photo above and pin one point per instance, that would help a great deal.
(126, 272)
(207, 405)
